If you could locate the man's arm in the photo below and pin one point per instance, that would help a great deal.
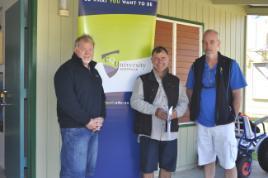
(66, 97)
(237, 83)
(103, 106)
(182, 103)
(137, 99)
(190, 83)
(189, 93)
(137, 102)
(236, 100)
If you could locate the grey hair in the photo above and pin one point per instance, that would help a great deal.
(210, 31)
(85, 38)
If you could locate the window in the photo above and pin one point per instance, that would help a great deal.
(183, 41)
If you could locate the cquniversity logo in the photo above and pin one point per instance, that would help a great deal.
(112, 65)
(110, 62)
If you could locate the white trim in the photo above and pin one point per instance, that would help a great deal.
(174, 48)
(200, 41)
(165, 20)
(178, 22)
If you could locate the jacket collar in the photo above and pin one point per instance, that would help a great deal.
(219, 57)
(77, 59)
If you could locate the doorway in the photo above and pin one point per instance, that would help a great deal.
(18, 104)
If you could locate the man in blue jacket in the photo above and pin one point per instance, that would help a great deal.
(214, 89)
(80, 109)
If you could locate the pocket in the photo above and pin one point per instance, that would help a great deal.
(233, 151)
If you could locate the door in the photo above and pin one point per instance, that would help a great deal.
(14, 85)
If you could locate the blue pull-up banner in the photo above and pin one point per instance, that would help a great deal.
(123, 31)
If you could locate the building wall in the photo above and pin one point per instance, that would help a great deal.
(55, 36)
(187, 156)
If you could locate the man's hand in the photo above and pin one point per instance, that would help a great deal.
(174, 114)
(91, 125)
(161, 114)
(95, 124)
(99, 123)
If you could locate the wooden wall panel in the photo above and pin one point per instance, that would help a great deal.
(187, 49)
(163, 37)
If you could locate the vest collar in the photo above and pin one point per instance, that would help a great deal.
(154, 75)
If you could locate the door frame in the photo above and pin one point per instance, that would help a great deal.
(31, 92)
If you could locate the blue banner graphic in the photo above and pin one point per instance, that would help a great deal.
(98, 7)
(124, 34)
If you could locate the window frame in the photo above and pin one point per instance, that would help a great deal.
(175, 22)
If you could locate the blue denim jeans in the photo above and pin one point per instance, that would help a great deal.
(78, 152)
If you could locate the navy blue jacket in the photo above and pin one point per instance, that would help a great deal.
(79, 92)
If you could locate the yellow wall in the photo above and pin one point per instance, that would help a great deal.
(55, 36)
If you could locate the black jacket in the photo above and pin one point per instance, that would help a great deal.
(79, 92)
(143, 122)
(224, 101)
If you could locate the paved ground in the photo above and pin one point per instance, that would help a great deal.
(257, 172)
(2, 173)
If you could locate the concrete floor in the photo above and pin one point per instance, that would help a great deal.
(257, 172)
(2, 175)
